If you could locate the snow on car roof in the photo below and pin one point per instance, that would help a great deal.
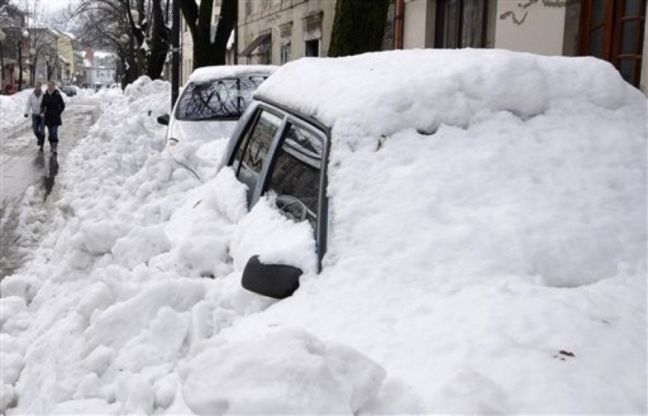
(209, 73)
(387, 91)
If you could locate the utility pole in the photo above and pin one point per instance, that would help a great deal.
(175, 52)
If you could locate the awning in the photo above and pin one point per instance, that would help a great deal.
(255, 44)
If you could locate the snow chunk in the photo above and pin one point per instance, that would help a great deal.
(98, 237)
(10, 366)
(140, 245)
(7, 397)
(122, 321)
(274, 238)
(288, 372)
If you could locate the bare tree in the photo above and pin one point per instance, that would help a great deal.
(136, 30)
(208, 50)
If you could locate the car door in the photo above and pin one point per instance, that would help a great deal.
(278, 152)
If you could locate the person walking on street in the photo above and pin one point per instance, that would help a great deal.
(33, 106)
(51, 108)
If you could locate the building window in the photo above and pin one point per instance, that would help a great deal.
(285, 32)
(285, 52)
(312, 47)
(265, 51)
(461, 23)
(613, 30)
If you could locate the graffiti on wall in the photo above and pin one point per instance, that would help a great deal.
(519, 15)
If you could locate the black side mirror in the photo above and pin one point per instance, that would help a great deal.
(273, 280)
(163, 119)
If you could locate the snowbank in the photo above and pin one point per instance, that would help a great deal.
(12, 108)
(121, 309)
(491, 262)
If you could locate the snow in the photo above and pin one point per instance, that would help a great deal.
(101, 54)
(209, 73)
(424, 89)
(492, 262)
(12, 108)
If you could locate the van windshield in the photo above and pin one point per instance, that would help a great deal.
(220, 99)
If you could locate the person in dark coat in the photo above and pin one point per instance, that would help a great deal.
(51, 108)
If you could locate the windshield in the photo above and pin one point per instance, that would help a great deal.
(220, 99)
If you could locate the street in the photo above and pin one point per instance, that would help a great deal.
(28, 179)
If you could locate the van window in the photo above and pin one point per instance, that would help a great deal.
(253, 149)
(296, 173)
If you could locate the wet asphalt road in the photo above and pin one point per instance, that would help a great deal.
(22, 166)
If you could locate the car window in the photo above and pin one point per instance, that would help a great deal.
(295, 176)
(218, 99)
(254, 148)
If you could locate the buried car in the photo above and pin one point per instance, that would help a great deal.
(479, 220)
(281, 149)
(211, 103)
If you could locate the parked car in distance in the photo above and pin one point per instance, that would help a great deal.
(69, 90)
(211, 103)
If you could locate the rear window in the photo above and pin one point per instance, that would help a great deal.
(221, 99)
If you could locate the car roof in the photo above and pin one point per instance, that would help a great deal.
(384, 92)
(209, 73)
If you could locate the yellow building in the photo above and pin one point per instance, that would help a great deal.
(65, 48)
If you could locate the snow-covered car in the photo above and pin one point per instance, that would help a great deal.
(211, 103)
(350, 145)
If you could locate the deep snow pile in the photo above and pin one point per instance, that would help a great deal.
(12, 108)
(120, 311)
(493, 261)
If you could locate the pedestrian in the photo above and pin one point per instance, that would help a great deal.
(51, 108)
(33, 106)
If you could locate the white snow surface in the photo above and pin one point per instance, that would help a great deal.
(492, 263)
(210, 73)
(12, 109)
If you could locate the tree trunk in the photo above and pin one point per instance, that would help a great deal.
(226, 23)
(34, 64)
(20, 67)
(205, 50)
(358, 27)
(2, 68)
(160, 37)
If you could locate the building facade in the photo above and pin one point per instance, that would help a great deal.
(14, 49)
(66, 60)
(613, 30)
(100, 69)
(44, 54)
(278, 31)
(186, 44)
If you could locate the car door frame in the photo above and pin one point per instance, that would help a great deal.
(289, 117)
